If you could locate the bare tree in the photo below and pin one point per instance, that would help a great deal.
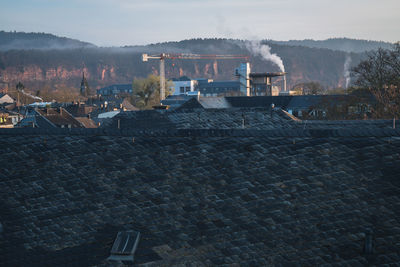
(380, 73)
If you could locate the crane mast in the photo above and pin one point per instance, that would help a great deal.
(163, 56)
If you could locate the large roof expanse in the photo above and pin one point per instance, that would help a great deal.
(202, 198)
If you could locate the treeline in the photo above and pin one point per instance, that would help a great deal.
(303, 64)
(41, 41)
(339, 44)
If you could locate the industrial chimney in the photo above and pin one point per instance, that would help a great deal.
(284, 83)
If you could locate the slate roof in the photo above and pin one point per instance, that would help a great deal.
(144, 119)
(34, 119)
(78, 110)
(200, 119)
(295, 102)
(86, 122)
(247, 198)
(259, 101)
(191, 116)
(59, 117)
(175, 101)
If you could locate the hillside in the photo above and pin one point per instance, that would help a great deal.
(41, 41)
(339, 44)
(104, 66)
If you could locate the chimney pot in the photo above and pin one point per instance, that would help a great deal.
(368, 245)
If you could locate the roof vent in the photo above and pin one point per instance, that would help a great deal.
(368, 246)
(1, 228)
(124, 246)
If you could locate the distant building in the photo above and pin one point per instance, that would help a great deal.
(49, 118)
(115, 89)
(183, 85)
(261, 83)
(5, 98)
(8, 119)
(80, 110)
(218, 88)
(243, 73)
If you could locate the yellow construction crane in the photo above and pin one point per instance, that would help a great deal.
(163, 56)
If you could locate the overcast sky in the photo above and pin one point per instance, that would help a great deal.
(130, 22)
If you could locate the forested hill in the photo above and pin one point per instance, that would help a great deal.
(105, 66)
(339, 44)
(42, 41)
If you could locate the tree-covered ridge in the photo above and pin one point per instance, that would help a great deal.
(105, 66)
(41, 41)
(339, 44)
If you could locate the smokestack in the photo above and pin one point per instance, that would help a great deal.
(284, 83)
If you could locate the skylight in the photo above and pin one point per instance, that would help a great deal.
(124, 246)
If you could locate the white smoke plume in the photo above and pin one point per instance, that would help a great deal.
(257, 48)
(31, 96)
(346, 70)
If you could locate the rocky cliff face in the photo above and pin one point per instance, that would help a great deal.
(102, 67)
(34, 76)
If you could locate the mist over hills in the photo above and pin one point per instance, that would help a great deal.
(40, 41)
(46, 41)
(339, 44)
(39, 59)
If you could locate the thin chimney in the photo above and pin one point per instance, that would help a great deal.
(284, 83)
(368, 246)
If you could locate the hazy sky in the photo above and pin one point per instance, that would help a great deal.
(129, 22)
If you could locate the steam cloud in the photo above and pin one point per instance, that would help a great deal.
(257, 48)
(31, 96)
(346, 71)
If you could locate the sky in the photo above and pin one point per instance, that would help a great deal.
(137, 22)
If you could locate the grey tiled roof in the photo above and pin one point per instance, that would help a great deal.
(234, 118)
(257, 200)
(229, 119)
(201, 119)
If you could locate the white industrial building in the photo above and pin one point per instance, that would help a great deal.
(183, 85)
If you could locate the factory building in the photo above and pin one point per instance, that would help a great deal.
(208, 87)
(247, 84)
(243, 74)
(261, 83)
(183, 85)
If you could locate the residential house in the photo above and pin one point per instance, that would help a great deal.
(6, 99)
(49, 118)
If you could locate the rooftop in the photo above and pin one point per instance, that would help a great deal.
(200, 197)
(267, 74)
(204, 187)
